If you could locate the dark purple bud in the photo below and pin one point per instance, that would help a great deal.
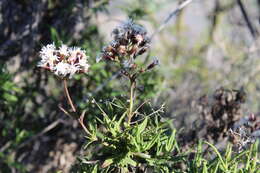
(141, 51)
(153, 64)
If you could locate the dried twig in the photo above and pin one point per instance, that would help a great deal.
(81, 121)
(45, 130)
(64, 111)
(171, 15)
(247, 20)
(160, 110)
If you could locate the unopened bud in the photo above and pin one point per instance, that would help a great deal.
(153, 64)
(252, 117)
(142, 50)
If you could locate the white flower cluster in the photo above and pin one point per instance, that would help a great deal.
(63, 61)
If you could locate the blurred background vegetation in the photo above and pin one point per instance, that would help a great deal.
(208, 45)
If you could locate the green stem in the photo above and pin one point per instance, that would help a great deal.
(131, 105)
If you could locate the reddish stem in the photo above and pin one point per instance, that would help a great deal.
(68, 95)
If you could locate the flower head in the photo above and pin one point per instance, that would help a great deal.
(129, 40)
(63, 61)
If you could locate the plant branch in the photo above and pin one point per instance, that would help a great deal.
(44, 131)
(171, 15)
(160, 110)
(81, 121)
(68, 95)
(246, 18)
(64, 111)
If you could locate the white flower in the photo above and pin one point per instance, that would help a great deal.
(48, 62)
(47, 51)
(64, 61)
(73, 69)
(48, 56)
(75, 51)
(75, 54)
(63, 49)
(62, 69)
(82, 61)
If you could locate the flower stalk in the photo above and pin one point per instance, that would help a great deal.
(68, 95)
(64, 62)
(131, 104)
(81, 118)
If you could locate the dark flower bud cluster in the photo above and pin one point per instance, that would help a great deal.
(219, 113)
(129, 41)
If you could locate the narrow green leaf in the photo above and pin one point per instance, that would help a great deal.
(152, 142)
(216, 168)
(218, 154)
(95, 169)
(138, 147)
(205, 170)
(143, 155)
(119, 122)
(54, 35)
(142, 126)
(170, 143)
(228, 154)
(107, 163)
(130, 161)
(235, 167)
(10, 97)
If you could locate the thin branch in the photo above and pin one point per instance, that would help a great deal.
(247, 20)
(68, 95)
(214, 20)
(64, 111)
(160, 110)
(141, 105)
(171, 15)
(45, 130)
(81, 121)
